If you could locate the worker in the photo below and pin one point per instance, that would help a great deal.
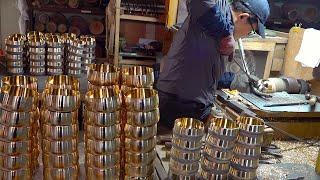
(186, 85)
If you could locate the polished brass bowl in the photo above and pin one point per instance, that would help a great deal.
(87, 61)
(55, 57)
(18, 70)
(220, 143)
(18, 63)
(16, 147)
(137, 76)
(37, 70)
(251, 125)
(143, 118)
(19, 80)
(74, 58)
(63, 82)
(59, 118)
(142, 100)
(53, 64)
(60, 160)
(102, 161)
(70, 173)
(209, 165)
(102, 119)
(77, 43)
(12, 133)
(140, 145)
(36, 50)
(37, 57)
(185, 144)
(61, 100)
(37, 63)
(14, 57)
(102, 147)
(213, 153)
(140, 158)
(60, 132)
(60, 147)
(250, 140)
(75, 72)
(176, 176)
(75, 65)
(103, 132)
(224, 128)
(183, 168)
(235, 173)
(247, 151)
(92, 87)
(243, 162)
(12, 118)
(206, 174)
(15, 40)
(54, 42)
(151, 177)
(15, 174)
(55, 70)
(15, 162)
(188, 128)
(138, 170)
(88, 40)
(103, 74)
(88, 55)
(13, 50)
(185, 156)
(74, 50)
(137, 132)
(35, 34)
(103, 100)
(102, 173)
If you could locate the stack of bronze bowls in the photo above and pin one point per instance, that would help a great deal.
(186, 147)
(141, 115)
(89, 52)
(102, 123)
(36, 53)
(67, 38)
(75, 56)
(59, 122)
(19, 118)
(55, 53)
(246, 153)
(15, 53)
(218, 149)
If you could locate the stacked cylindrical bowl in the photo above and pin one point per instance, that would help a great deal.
(19, 117)
(89, 52)
(218, 149)
(59, 117)
(140, 123)
(67, 38)
(75, 55)
(36, 53)
(55, 55)
(186, 147)
(15, 53)
(246, 153)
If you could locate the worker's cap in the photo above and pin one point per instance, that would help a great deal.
(261, 9)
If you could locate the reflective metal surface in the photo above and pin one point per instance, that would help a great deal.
(63, 82)
(251, 125)
(140, 158)
(75, 72)
(188, 127)
(103, 100)
(76, 50)
(37, 70)
(13, 50)
(70, 173)
(238, 174)
(139, 171)
(55, 50)
(143, 118)
(77, 43)
(185, 156)
(60, 132)
(247, 151)
(209, 175)
(55, 57)
(184, 168)
(59, 64)
(15, 63)
(220, 143)
(140, 145)
(12, 118)
(16, 147)
(15, 40)
(240, 161)
(137, 132)
(251, 141)
(60, 160)
(60, 147)
(73, 57)
(37, 63)
(19, 70)
(36, 50)
(137, 76)
(103, 75)
(102, 119)
(102, 173)
(59, 118)
(22, 81)
(214, 165)
(223, 127)
(142, 100)
(102, 147)
(15, 162)
(15, 174)
(102, 133)
(54, 70)
(37, 57)
(102, 161)
(76, 65)
(12, 133)
(185, 144)
(217, 153)
(14, 57)
(62, 100)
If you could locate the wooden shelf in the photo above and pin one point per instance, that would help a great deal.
(140, 18)
(86, 10)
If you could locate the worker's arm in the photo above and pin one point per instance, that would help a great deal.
(213, 16)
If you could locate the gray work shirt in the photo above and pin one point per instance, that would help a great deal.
(194, 63)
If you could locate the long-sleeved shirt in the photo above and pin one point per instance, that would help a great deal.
(194, 63)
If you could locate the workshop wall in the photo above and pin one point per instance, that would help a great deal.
(9, 17)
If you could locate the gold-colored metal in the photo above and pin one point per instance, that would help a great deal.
(63, 82)
(77, 43)
(215, 165)
(16, 70)
(61, 100)
(142, 100)
(74, 58)
(151, 177)
(141, 146)
(188, 128)
(15, 40)
(138, 170)
(137, 76)
(55, 64)
(14, 57)
(13, 133)
(241, 161)
(18, 63)
(102, 173)
(54, 41)
(143, 118)
(55, 57)
(12, 118)
(15, 162)
(184, 168)
(37, 63)
(37, 57)
(37, 70)
(250, 140)
(54, 132)
(103, 75)
(101, 118)
(251, 125)
(89, 40)
(68, 173)
(75, 72)
(206, 174)
(32, 34)
(60, 160)
(186, 144)
(60, 147)
(12, 49)
(185, 155)
(37, 50)
(224, 128)
(235, 173)
(103, 100)
(19, 80)
(25, 174)
(16, 147)
(247, 151)
(55, 70)
(59, 118)
(217, 153)
(102, 147)
(75, 65)
(103, 132)
(137, 132)
(92, 87)
(176, 176)
(220, 143)
(102, 161)
(140, 158)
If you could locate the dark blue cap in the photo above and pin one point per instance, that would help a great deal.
(261, 9)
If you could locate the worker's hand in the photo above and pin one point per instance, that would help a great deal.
(227, 45)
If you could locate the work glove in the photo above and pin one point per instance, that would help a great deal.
(227, 46)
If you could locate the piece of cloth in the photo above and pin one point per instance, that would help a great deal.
(172, 107)
(194, 61)
(309, 54)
